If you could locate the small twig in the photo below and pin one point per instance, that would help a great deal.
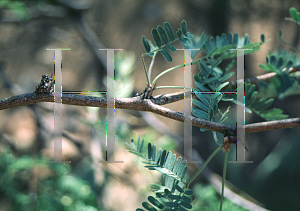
(223, 179)
(203, 166)
(145, 69)
(151, 66)
(265, 77)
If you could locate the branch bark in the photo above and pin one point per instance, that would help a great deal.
(136, 103)
(266, 77)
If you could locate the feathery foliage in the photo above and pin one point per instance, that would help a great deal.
(172, 194)
(261, 106)
(210, 81)
(283, 84)
(218, 47)
(163, 38)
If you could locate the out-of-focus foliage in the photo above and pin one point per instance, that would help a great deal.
(124, 83)
(295, 15)
(206, 198)
(18, 8)
(32, 184)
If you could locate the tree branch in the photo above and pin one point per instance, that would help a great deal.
(265, 77)
(136, 103)
(272, 125)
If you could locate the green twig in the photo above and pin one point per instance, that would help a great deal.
(289, 44)
(176, 67)
(203, 166)
(170, 69)
(143, 62)
(171, 87)
(151, 66)
(223, 180)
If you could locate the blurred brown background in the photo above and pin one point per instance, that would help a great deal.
(121, 24)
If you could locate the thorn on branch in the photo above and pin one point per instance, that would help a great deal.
(230, 137)
(46, 85)
(147, 93)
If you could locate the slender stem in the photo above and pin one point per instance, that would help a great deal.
(223, 180)
(142, 59)
(203, 166)
(289, 44)
(151, 66)
(168, 70)
(171, 87)
(216, 138)
(174, 68)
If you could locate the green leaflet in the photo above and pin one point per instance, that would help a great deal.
(260, 106)
(169, 31)
(171, 48)
(172, 193)
(196, 43)
(278, 60)
(179, 32)
(166, 55)
(160, 160)
(163, 38)
(283, 84)
(185, 41)
(156, 37)
(162, 34)
(146, 44)
(219, 47)
(148, 206)
(295, 15)
(209, 105)
(183, 26)
(211, 78)
(155, 202)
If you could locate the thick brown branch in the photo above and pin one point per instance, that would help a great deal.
(136, 103)
(272, 125)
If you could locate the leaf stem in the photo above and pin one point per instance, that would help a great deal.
(168, 70)
(151, 66)
(223, 180)
(172, 87)
(143, 62)
(176, 67)
(203, 166)
(289, 44)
